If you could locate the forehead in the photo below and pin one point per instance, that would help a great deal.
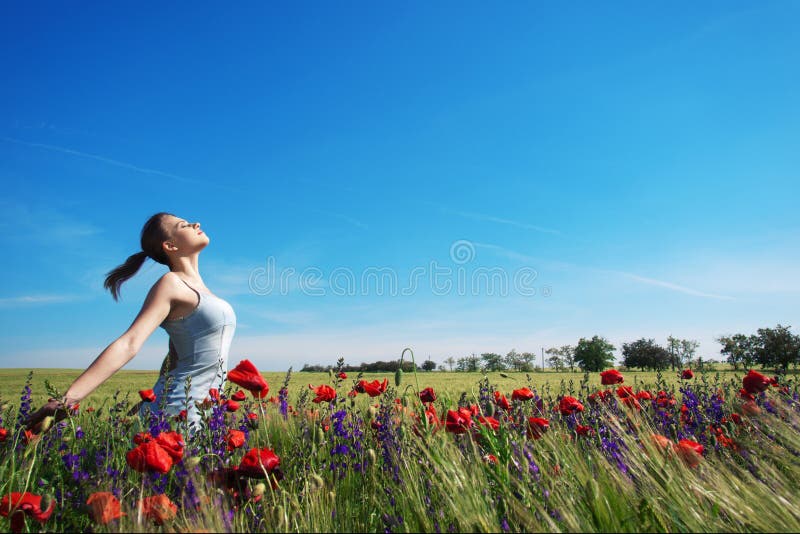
(172, 220)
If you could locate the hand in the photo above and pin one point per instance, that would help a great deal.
(38, 421)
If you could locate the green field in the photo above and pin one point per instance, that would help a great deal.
(447, 384)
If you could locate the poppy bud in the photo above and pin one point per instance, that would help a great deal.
(373, 411)
(372, 456)
(398, 376)
(317, 482)
(47, 422)
(47, 501)
(66, 438)
(330, 373)
(332, 495)
(259, 489)
(192, 462)
(318, 434)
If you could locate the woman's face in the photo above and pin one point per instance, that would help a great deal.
(185, 236)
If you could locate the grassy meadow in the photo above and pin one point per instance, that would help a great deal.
(562, 454)
(445, 383)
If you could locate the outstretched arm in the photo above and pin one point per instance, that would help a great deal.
(155, 309)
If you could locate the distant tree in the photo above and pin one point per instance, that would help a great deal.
(739, 349)
(428, 365)
(493, 362)
(777, 347)
(556, 362)
(450, 361)
(468, 364)
(594, 354)
(645, 354)
(443, 367)
(513, 360)
(526, 361)
(566, 353)
(681, 351)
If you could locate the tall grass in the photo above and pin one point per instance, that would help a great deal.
(378, 464)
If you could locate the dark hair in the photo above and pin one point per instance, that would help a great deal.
(153, 235)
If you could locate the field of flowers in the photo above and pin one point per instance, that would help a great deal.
(602, 452)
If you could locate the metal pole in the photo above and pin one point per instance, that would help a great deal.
(543, 359)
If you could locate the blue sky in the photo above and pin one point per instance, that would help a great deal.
(638, 160)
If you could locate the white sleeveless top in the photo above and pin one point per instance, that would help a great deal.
(201, 341)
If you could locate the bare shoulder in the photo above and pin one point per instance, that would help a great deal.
(168, 286)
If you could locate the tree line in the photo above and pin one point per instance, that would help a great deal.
(774, 348)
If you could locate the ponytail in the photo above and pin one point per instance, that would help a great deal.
(116, 277)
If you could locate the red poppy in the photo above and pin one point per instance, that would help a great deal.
(501, 401)
(490, 459)
(323, 393)
(3, 434)
(644, 395)
(342, 376)
(664, 399)
(147, 395)
(522, 394)
(743, 394)
(214, 394)
(750, 408)
(18, 505)
(569, 405)
(754, 382)
(584, 430)
(234, 438)
(181, 416)
(491, 422)
(142, 437)
(427, 395)
(257, 462)
(103, 507)
(537, 426)
(238, 396)
(172, 443)
(612, 376)
(433, 417)
(687, 374)
(231, 405)
(247, 376)
(458, 422)
(690, 452)
(158, 508)
(149, 456)
(736, 418)
(374, 388)
(28, 436)
(631, 402)
(600, 396)
(252, 416)
(662, 442)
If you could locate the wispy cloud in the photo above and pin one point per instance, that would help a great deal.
(115, 162)
(500, 220)
(631, 276)
(671, 286)
(10, 302)
(22, 221)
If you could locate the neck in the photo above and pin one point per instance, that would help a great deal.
(188, 266)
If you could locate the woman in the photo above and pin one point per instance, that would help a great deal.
(200, 325)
